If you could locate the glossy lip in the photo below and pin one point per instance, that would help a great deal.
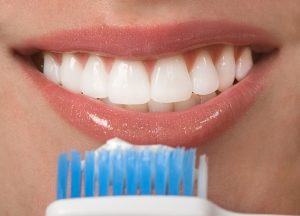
(187, 128)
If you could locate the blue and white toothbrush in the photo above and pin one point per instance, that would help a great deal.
(120, 179)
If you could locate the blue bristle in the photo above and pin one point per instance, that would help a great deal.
(118, 172)
(62, 177)
(75, 174)
(131, 171)
(146, 171)
(89, 174)
(161, 171)
(175, 171)
(103, 172)
(188, 172)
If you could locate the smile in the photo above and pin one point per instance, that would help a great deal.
(180, 85)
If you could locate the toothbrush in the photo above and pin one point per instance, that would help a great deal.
(120, 179)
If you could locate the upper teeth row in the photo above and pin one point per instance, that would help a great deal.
(170, 81)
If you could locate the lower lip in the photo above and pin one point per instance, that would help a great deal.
(189, 128)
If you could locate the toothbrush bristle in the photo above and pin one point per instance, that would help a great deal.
(188, 172)
(103, 173)
(89, 174)
(145, 171)
(202, 177)
(75, 174)
(117, 172)
(131, 171)
(175, 172)
(162, 171)
(62, 177)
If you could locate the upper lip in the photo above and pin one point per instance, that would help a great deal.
(187, 128)
(149, 41)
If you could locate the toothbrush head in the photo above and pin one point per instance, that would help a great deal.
(131, 170)
(112, 180)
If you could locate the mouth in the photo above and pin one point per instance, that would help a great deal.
(180, 85)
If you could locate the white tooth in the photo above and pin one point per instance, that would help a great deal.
(160, 107)
(197, 98)
(94, 78)
(183, 105)
(170, 81)
(204, 75)
(138, 107)
(225, 66)
(107, 101)
(51, 68)
(71, 71)
(205, 98)
(128, 83)
(244, 64)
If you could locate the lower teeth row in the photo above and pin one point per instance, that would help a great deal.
(170, 86)
(153, 106)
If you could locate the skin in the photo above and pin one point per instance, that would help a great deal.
(253, 167)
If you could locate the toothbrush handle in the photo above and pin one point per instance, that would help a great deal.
(137, 206)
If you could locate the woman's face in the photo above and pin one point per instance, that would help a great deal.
(249, 130)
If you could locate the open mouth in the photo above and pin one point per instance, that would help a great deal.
(167, 84)
(159, 90)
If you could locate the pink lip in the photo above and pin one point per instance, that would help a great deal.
(145, 41)
(188, 128)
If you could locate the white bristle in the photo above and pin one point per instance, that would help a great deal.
(202, 177)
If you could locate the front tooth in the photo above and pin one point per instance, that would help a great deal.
(138, 107)
(160, 107)
(94, 78)
(170, 81)
(244, 64)
(71, 71)
(205, 98)
(183, 105)
(204, 75)
(107, 101)
(51, 68)
(225, 66)
(128, 83)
